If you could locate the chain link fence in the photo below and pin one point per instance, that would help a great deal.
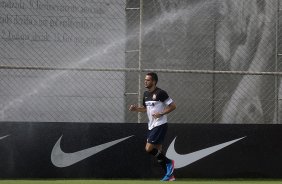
(85, 60)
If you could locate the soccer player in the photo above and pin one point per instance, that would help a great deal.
(157, 104)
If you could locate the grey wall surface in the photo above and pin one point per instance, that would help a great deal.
(104, 40)
(221, 35)
(76, 33)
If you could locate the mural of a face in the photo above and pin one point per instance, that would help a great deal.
(239, 32)
(245, 41)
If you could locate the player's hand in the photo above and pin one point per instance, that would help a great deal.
(133, 107)
(157, 115)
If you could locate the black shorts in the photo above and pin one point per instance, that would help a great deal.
(157, 134)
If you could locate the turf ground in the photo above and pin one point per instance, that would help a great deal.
(181, 181)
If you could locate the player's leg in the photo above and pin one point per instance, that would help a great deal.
(155, 139)
(166, 164)
(154, 147)
(156, 151)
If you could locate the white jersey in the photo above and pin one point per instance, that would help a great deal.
(154, 102)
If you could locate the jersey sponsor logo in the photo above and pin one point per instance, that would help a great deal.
(61, 159)
(187, 159)
(150, 103)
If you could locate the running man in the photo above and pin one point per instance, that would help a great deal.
(157, 104)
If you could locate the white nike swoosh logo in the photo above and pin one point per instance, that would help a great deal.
(187, 159)
(61, 159)
(3, 137)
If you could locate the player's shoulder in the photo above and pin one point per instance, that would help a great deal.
(161, 95)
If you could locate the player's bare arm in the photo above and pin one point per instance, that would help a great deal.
(137, 108)
(171, 107)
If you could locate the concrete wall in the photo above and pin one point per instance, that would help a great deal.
(76, 33)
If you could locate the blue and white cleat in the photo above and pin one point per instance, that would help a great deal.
(170, 168)
(168, 178)
(169, 173)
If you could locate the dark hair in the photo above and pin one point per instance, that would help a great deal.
(154, 76)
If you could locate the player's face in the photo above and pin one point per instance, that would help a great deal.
(149, 83)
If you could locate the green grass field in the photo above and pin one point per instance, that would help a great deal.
(180, 181)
